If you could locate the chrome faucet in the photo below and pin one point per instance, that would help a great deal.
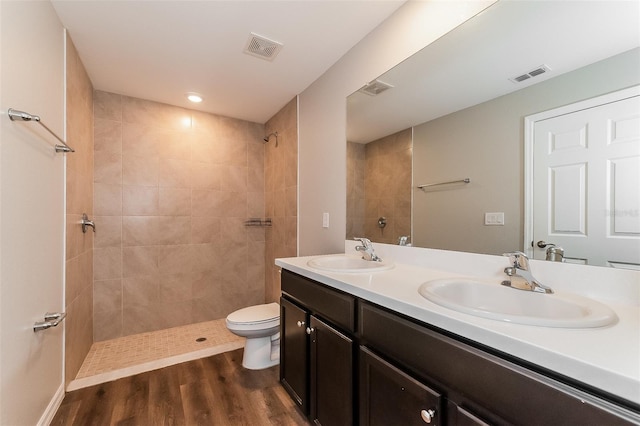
(367, 249)
(520, 276)
(86, 222)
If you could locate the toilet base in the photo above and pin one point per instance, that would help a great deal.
(260, 353)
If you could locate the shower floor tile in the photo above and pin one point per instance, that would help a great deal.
(113, 359)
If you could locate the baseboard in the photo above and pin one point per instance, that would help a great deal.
(52, 408)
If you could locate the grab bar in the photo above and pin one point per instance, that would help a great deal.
(25, 116)
(426, 185)
(51, 319)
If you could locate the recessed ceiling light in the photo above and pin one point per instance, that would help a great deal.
(194, 97)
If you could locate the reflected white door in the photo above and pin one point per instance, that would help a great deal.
(586, 184)
(31, 213)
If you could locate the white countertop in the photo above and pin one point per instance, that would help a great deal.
(607, 357)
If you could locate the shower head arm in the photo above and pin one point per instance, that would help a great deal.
(266, 138)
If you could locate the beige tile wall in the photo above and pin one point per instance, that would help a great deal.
(381, 189)
(281, 194)
(356, 162)
(173, 188)
(79, 246)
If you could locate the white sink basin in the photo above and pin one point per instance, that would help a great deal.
(349, 264)
(502, 303)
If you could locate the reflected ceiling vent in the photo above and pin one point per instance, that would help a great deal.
(374, 87)
(262, 47)
(533, 73)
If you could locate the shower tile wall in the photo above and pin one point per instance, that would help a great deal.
(79, 246)
(173, 188)
(281, 194)
(356, 162)
(387, 187)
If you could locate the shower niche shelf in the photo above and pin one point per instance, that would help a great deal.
(256, 221)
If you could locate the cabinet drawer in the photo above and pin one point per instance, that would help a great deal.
(388, 396)
(514, 393)
(333, 305)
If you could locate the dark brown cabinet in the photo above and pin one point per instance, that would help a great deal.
(411, 373)
(331, 372)
(389, 396)
(316, 353)
(294, 353)
(482, 387)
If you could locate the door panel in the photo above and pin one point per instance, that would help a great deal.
(586, 178)
(331, 375)
(294, 357)
(568, 208)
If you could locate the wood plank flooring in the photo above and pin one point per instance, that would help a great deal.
(207, 391)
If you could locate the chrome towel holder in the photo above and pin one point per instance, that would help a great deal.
(14, 115)
(427, 185)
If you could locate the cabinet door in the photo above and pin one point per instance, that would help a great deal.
(331, 375)
(294, 353)
(388, 396)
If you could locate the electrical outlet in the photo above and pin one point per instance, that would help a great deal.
(494, 219)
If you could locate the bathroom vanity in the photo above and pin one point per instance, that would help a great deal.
(366, 349)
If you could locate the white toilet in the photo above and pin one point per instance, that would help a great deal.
(260, 324)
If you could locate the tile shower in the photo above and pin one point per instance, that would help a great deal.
(379, 185)
(172, 190)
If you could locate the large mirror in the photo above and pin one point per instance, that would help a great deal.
(456, 110)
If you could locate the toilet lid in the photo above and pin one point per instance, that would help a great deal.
(255, 314)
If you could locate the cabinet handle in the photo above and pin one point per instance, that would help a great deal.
(310, 330)
(300, 323)
(428, 415)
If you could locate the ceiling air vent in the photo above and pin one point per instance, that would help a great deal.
(374, 88)
(533, 73)
(262, 47)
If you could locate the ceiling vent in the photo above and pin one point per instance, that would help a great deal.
(262, 47)
(533, 73)
(375, 87)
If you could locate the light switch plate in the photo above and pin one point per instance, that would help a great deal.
(494, 219)
(325, 220)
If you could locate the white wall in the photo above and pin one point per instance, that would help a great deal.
(322, 167)
(31, 212)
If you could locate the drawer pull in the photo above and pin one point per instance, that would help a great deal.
(300, 323)
(310, 330)
(428, 415)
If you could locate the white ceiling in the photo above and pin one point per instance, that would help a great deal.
(159, 50)
(473, 63)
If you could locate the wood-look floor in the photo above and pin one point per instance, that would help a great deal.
(208, 391)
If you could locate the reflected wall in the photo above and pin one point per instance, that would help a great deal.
(379, 188)
(486, 144)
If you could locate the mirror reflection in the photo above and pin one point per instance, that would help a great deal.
(457, 109)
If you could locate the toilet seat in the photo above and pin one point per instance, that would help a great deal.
(261, 316)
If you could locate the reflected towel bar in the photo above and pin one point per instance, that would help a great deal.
(25, 116)
(426, 185)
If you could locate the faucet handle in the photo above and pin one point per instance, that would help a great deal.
(367, 248)
(365, 241)
(518, 259)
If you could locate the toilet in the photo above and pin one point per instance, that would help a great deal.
(260, 324)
